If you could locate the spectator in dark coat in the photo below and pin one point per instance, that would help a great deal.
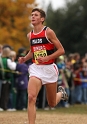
(21, 86)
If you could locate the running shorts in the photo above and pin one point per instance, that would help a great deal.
(46, 73)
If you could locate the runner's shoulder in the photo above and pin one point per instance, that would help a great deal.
(49, 31)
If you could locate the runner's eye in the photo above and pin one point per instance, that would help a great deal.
(36, 14)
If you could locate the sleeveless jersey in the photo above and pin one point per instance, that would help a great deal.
(41, 46)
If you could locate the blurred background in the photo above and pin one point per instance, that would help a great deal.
(68, 19)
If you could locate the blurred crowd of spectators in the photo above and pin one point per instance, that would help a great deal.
(73, 76)
(14, 80)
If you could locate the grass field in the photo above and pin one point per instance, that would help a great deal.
(76, 114)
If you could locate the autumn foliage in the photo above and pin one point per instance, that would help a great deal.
(15, 22)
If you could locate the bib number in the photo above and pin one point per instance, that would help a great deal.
(41, 53)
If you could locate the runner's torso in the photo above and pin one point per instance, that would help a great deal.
(41, 46)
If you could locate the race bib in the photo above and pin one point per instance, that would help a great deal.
(41, 53)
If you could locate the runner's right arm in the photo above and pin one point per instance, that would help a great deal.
(28, 56)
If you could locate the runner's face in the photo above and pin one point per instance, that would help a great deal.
(36, 18)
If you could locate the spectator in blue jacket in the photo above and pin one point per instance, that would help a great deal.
(21, 86)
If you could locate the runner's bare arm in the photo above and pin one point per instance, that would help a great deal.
(52, 37)
(30, 54)
(27, 57)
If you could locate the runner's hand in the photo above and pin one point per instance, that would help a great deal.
(21, 60)
(41, 60)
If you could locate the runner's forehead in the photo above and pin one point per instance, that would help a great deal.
(35, 12)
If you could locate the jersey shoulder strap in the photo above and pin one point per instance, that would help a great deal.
(45, 28)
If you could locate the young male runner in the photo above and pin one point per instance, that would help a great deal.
(43, 71)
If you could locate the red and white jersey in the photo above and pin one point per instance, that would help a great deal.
(41, 46)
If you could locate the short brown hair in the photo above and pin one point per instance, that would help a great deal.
(42, 13)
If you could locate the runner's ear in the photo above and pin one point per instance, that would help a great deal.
(42, 19)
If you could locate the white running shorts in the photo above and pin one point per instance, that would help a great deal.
(46, 73)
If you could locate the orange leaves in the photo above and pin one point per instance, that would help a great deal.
(15, 22)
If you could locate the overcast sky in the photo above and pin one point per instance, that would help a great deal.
(55, 3)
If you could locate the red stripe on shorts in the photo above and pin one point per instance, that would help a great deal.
(56, 69)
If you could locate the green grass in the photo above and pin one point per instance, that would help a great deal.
(75, 109)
